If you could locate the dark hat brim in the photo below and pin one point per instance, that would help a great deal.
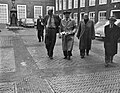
(66, 12)
(112, 19)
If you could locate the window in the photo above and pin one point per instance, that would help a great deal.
(82, 3)
(60, 4)
(69, 4)
(102, 15)
(21, 11)
(76, 17)
(115, 1)
(102, 2)
(75, 3)
(48, 8)
(91, 2)
(64, 4)
(3, 13)
(92, 16)
(37, 11)
(56, 5)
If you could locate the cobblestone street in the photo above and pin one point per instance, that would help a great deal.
(25, 67)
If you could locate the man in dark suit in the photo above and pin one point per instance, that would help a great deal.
(40, 28)
(52, 23)
(112, 34)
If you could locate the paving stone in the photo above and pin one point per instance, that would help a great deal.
(7, 60)
(9, 87)
(6, 41)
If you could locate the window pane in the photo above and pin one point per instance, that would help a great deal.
(60, 4)
(82, 3)
(37, 11)
(75, 3)
(21, 11)
(102, 15)
(91, 2)
(69, 4)
(3, 13)
(64, 4)
(102, 1)
(56, 5)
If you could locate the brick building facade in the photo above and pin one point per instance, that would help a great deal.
(97, 9)
(25, 8)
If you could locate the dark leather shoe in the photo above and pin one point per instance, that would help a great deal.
(65, 57)
(82, 57)
(51, 57)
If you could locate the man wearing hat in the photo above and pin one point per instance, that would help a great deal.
(68, 29)
(85, 34)
(112, 34)
(40, 28)
(52, 23)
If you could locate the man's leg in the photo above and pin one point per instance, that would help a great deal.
(107, 60)
(39, 37)
(82, 53)
(87, 52)
(47, 43)
(52, 42)
(65, 54)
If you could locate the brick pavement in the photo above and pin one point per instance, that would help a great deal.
(34, 69)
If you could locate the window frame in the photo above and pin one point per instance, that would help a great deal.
(40, 13)
(69, 4)
(99, 14)
(93, 18)
(81, 5)
(18, 11)
(92, 4)
(112, 1)
(75, 3)
(7, 19)
(64, 4)
(102, 3)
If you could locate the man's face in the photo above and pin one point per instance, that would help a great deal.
(111, 21)
(67, 16)
(50, 12)
(85, 16)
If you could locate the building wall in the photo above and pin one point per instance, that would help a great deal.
(105, 7)
(29, 5)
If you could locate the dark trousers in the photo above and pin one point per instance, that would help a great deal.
(67, 53)
(108, 58)
(50, 39)
(40, 35)
(82, 52)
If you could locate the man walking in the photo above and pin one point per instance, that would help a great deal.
(52, 23)
(40, 28)
(112, 34)
(68, 29)
(86, 34)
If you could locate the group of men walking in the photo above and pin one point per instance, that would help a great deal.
(67, 28)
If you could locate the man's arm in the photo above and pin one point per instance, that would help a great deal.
(79, 30)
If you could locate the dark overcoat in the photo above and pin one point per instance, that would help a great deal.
(85, 34)
(111, 39)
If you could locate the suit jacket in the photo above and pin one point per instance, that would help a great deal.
(57, 21)
(40, 26)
